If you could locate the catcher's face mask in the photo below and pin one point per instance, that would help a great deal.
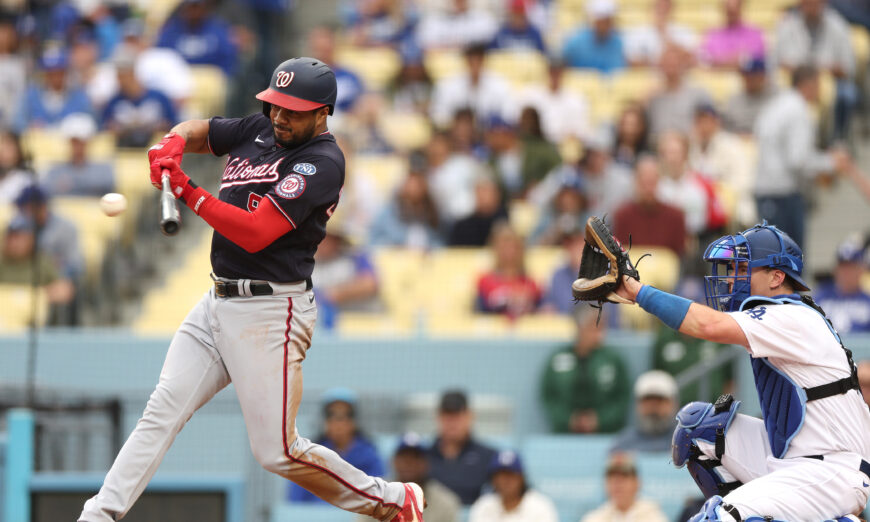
(726, 288)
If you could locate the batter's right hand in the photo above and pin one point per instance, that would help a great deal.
(171, 146)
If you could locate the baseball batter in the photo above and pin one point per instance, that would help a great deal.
(808, 458)
(282, 182)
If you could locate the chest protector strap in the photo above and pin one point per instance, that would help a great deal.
(783, 402)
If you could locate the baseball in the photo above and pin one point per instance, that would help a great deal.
(113, 204)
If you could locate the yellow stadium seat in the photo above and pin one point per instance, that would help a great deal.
(865, 282)
(661, 268)
(763, 16)
(721, 84)
(386, 170)
(518, 67)
(356, 324)
(861, 44)
(17, 305)
(542, 261)
(7, 210)
(545, 326)
(827, 86)
(450, 283)
(700, 16)
(95, 228)
(47, 147)
(376, 66)
(405, 130)
(467, 325)
(400, 276)
(209, 91)
(524, 216)
(595, 89)
(635, 84)
(443, 63)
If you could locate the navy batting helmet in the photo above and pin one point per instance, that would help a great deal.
(300, 84)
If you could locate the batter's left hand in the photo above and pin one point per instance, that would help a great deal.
(177, 178)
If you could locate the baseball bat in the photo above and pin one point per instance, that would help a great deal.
(170, 219)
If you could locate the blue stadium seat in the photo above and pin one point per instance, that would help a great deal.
(664, 483)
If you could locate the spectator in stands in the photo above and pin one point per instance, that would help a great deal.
(517, 33)
(585, 387)
(465, 135)
(622, 486)
(376, 23)
(342, 435)
(864, 379)
(17, 264)
(513, 498)
(459, 26)
(567, 212)
(411, 89)
(644, 44)
(201, 37)
(79, 175)
(15, 173)
(135, 114)
(505, 155)
(489, 209)
(96, 77)
(646, 219)
(816, 35)
(630, 136)
(52, 99)
(161, 69)
(655, 410)
(344, 278)
(411, 465)
(411, 219)
(742, 109)
(847, 305)
(452, 175)
(456, 458)
(735, 42)
(721, 157)
(564, 112)
(673, 108)
(58, 236)
(486, 93)
(363, 128)
(598, 46)
(673, 352)
(321, 45)
(855, 12)
(539, 155)
(558, 298)
(679, 186)
(507, 289)
(13, 71)
(787, 156)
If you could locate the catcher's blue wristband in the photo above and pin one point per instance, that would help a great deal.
(670, 308)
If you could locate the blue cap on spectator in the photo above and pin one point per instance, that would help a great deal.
(506, 460)
(496, 121)
(411, 441)
(20, 224)
(754, 64)
(53, 58)
(706, 109)
(851, 251)
(340, 395)
(31, 194)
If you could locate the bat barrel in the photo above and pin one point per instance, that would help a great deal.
(170, 219)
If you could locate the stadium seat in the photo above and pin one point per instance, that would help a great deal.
(17, 306)
(400, 274)
(385, 170)
(542, 261)
(721, 84)
(700, 16)
(299, 511)
(630, 85)
(376, 66)
(443, 63)
(662, 270)
(7, 211)
(518, 67)
(861, 44)
(523, 216)
(449, 285)
(662, 481)
(47, 147)
(209, 91)
(595, 89)
(405, 130)
(95, 228)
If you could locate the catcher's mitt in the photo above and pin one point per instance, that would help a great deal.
(603, 264)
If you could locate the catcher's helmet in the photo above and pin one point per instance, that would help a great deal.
(760, 246)
(300, 84)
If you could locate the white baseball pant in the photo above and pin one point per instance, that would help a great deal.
(793, 489)
(258, 344)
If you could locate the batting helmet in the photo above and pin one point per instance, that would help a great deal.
(762, 246)
(300, 84)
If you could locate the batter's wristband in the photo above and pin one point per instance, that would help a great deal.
(194, 196)
(670, 308)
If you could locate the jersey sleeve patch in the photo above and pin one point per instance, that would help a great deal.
(306, 169)
(291, 187)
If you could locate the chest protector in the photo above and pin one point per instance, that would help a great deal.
(783, 402)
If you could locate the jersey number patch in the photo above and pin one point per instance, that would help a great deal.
(291, 187)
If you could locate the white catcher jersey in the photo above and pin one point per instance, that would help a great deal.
(797, 341)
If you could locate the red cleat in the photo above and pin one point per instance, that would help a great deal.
(412, 510)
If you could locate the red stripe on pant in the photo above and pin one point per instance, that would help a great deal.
(284, 422)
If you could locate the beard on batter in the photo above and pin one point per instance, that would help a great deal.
(297, 136)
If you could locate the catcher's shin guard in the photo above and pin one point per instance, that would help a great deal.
(709, 423)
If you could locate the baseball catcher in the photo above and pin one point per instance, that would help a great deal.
(808, 458)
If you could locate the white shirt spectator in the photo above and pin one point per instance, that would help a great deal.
(12, 184)
(687, 194)
(563, 114)
(165, 70)
(490, 96)
(644, 44)
(645, 510)
(787, 156)
(452, 186)
(830, 46)
(13, 83)
(725, 162)
(456, 30)
(606, 192)
(534, 507)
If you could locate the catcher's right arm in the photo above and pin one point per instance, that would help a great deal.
(603, 264)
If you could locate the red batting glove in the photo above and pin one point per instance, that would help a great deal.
(178, 180)
(171, 146)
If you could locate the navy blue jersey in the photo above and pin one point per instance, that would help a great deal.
(303, 182)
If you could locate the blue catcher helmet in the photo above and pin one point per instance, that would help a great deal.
(760, 246)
